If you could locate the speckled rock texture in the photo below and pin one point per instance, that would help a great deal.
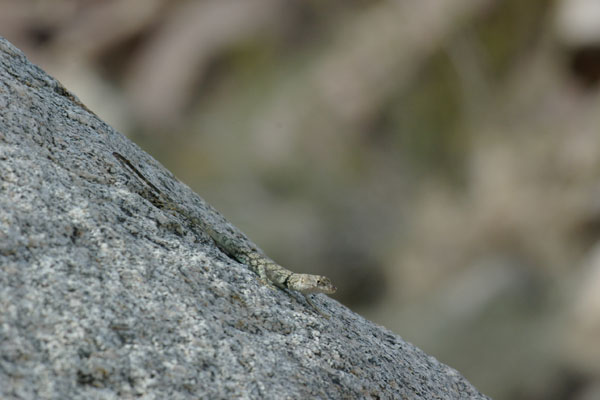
(104, 296)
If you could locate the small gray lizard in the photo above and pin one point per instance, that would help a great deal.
(237, 247)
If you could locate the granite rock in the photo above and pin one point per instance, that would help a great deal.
(103, 295)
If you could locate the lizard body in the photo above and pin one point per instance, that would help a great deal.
(237, 247)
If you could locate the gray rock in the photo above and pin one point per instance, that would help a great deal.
(103, 295)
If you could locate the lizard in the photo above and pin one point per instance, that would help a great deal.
(234, 245)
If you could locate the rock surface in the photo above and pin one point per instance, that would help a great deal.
(102, 295)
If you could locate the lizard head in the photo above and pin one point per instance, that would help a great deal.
(307, 284)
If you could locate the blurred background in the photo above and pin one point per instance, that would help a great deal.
(439, 160)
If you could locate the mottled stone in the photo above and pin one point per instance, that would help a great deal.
(104, 295)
